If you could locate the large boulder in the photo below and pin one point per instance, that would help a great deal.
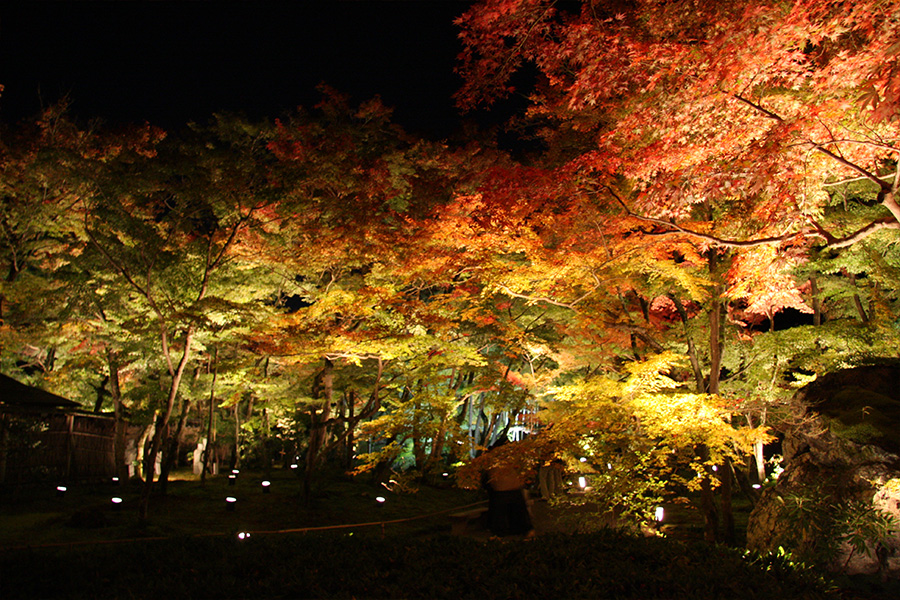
(838, 499)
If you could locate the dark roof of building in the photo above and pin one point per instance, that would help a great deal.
(20, 397)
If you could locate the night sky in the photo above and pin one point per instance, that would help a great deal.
(173, 62)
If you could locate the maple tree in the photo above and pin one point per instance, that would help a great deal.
(762, 102)
(168, 229)
(724, 129)
(703, 168)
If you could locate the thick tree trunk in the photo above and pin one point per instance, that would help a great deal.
(170, 456)
(726, 479)
(318, 429)
(816, 302)
(716, 314)
(116, 392)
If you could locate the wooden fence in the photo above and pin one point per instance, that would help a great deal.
(58, 446)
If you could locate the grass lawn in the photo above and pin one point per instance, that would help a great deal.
(35, 516)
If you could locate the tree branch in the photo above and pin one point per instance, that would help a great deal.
(697, 234)
(821, 147)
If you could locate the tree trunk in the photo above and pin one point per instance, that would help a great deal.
(418, 441)
(156, 444)
(101, 391)
(726, 478)
(210, 427)
(857, 301)
(4, 446)
(264, 451)
(816, 302)
(707, 498)
(711, 516)
(699, 380)
(264, 437)
(318, 429)
(236, 459)
(170, 456)
(351, 416)
(116, 392)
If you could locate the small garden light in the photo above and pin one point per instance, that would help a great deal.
(582, 482)
(232, 479)
(235, 471)
(230, 503)
(266, 486)
(243, 535)
(294, 466)
(116, 503)
(380, 500)
(115, 480)
(60, 491)
(660, 513)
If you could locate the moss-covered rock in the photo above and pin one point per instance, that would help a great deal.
(838, 500)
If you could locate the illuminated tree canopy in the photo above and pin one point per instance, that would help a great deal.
(616, 288)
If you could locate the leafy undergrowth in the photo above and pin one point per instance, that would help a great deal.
(601, 565)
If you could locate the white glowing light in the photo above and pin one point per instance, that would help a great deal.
(582, 482)
(380, 499)
(660, 512)
(715, 468)
(294, 466)
(235, 471)
(583, 459)
(61, 488)
(756, 486)
(243, 535)
(116, 500)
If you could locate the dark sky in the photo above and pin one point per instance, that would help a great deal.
(172, 62)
